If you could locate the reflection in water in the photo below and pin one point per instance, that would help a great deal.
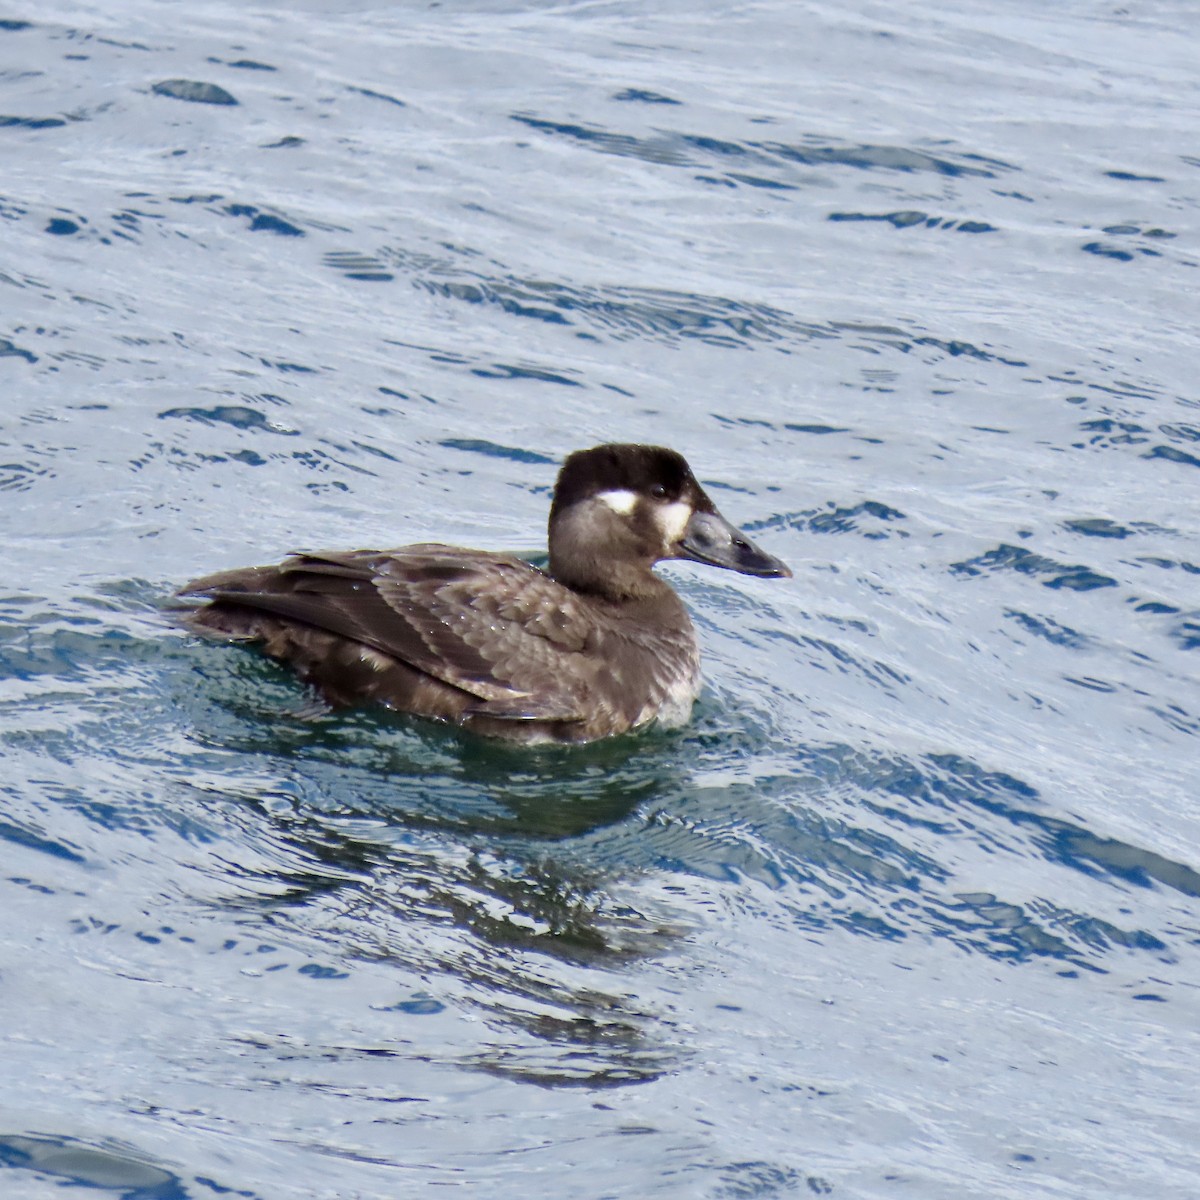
(407, 844)
(529, 946)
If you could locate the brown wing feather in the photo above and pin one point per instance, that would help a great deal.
(488, 624)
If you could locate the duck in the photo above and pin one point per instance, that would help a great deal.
(594, 646)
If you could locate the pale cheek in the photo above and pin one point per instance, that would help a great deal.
(673, 519)
(620, 501)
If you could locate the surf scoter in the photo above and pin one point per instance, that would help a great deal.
(596, 645)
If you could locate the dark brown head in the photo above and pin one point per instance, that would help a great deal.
(618, 509)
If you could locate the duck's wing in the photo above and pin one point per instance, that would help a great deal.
(490, 625)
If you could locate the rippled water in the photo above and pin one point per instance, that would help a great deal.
(912, 908)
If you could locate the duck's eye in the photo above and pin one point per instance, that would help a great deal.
(658, 491)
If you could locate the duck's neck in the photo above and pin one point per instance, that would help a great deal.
(620, 582)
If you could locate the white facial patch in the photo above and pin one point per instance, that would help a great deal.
(620, 501)
(673, 519)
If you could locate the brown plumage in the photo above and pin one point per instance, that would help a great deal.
(596, 646)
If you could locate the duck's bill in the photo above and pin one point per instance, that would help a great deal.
(709, 538)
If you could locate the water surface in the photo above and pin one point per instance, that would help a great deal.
(912, 907)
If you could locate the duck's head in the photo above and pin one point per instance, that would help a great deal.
(620, 508)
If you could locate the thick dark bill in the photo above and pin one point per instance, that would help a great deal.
(709, 538)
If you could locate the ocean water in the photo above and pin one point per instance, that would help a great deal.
(912, 907)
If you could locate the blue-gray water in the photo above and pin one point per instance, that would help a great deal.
(912, 908)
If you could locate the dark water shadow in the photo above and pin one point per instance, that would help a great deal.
(678, 149)
(111, 1168)
(876, 845)
(449, 862)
